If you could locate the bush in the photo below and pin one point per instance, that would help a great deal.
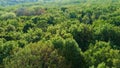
(69, 49)
(37, 55)
(83, 34)
(101, 52)
(107, 32)
(9, 15)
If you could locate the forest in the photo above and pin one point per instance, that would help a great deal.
(59, 33)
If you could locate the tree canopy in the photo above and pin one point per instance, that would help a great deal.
(59, 34)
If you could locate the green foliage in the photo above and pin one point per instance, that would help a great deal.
(83, 34)
(33, 35)
(60, 34)
(101, 52)
(27, 27)
(37, 55)
(102, 65)
(73, 54)
(70, 50)
(10, 28)
(6, 49)
(9, 15)
(108, 32)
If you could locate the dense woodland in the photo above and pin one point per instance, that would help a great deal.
(60, 34)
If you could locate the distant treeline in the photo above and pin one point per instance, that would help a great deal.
(16, 2)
